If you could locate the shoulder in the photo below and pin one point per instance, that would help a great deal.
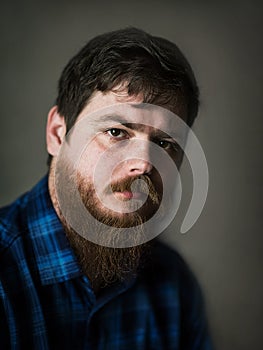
(12, 224)
(165, 263)
(174, 286)
(20, 217)
(170, 280)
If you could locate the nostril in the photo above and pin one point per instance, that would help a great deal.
(139, 167)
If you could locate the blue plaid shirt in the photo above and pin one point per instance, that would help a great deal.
(46, 302)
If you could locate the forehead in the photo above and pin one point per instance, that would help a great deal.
(100, 100)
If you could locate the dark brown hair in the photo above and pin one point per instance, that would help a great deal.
(149, 65)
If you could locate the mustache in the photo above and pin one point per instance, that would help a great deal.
(145, 185)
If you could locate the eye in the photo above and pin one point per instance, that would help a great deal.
(164, 144)
(116, 133)
(168, 145)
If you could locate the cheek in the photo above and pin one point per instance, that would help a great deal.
(89, 160)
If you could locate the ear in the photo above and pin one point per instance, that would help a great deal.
(55, 131)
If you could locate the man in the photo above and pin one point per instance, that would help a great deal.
(79, 268)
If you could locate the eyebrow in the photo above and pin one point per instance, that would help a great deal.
(122, 120)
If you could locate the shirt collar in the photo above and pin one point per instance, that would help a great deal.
(56, 261)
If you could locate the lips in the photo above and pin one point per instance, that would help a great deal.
(127, 195)
(129, 189)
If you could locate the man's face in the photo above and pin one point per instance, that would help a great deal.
(121, 159)
(117, 171)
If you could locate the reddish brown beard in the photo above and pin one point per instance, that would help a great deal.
(104, 265)
(123, 220)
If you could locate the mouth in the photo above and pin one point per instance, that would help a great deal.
(127, 195)
(142, 193)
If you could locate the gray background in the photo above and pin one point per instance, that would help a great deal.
(223, 42)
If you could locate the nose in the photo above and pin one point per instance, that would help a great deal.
(138, 166)
(139, 162)
(134, 160)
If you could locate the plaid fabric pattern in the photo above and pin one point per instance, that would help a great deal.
(47, 303)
